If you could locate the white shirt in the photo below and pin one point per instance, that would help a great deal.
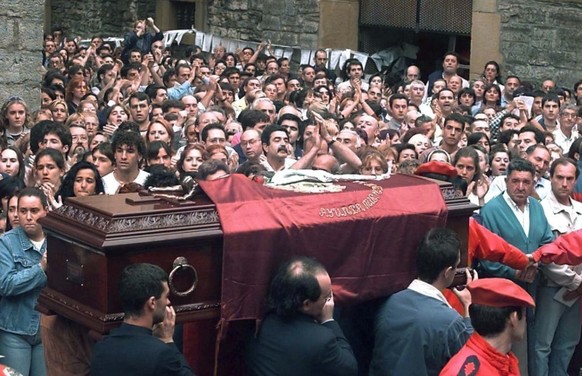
(111, 184)
(563, 219)
(563, 141)
(522, 216)
(288, 163)
(427, 289)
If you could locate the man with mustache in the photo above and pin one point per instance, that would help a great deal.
(520, 220)
(275, 141)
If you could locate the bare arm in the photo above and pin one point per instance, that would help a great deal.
(311, 149)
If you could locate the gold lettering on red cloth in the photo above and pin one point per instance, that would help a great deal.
(356, 208)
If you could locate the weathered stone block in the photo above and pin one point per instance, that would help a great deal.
(271, 22)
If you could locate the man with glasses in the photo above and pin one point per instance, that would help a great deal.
(299, 335)
(565, 135)
(250, 143)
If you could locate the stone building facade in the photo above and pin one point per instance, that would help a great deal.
(104, 17)
(20, 55)
(287, 22)
(531, 38)
(541, 39)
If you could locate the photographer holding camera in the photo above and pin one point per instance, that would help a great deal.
(416, 330)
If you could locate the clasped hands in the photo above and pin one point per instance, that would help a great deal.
(528, 274)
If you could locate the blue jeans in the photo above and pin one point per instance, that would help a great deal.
(23, 353)
(557, 329)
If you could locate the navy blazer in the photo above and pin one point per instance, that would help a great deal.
(133, 350)
(300, 346)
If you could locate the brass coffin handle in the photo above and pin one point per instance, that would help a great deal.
(182, 263)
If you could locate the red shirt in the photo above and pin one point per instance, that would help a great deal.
(478, 357)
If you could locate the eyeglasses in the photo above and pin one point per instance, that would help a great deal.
(251, 142)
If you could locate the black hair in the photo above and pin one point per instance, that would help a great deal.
(160, 176)
(9, 186)
(37, 133)
(210, 167)
(294, 282)
(126, 68)
(54, 154)
(269, 129)
(34, 192)
(468, 152)
(138, 283)
(154, 147)
(490, 321)
(539, 135)
(209, 127)
(438, 250)
(20, 158)
(61, 131)
(520, 164)
(66, 189)
(171, 103)
(456, 117)
(129, 138)
(249, 118)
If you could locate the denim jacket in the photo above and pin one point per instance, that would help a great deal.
(21, 280)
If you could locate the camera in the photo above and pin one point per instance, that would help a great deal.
(460, 278)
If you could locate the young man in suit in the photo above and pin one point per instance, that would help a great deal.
(143, 344)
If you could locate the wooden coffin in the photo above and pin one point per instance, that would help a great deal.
(92, 239)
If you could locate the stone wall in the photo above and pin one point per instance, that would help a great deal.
(541, 38)
(286, 22)
(106, 18)
(20, 54)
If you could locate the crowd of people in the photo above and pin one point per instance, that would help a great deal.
(114, 120)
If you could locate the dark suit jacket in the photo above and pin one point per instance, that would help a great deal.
(300, 346)
(132, 350)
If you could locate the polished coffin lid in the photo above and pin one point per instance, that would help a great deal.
(91, 239)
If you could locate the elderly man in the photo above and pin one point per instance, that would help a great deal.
(412, 73)
(299, 335)
(416, 92)
(250, 144)
(519, 220)
(265, 105)
(370, 125)
(565, 135)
